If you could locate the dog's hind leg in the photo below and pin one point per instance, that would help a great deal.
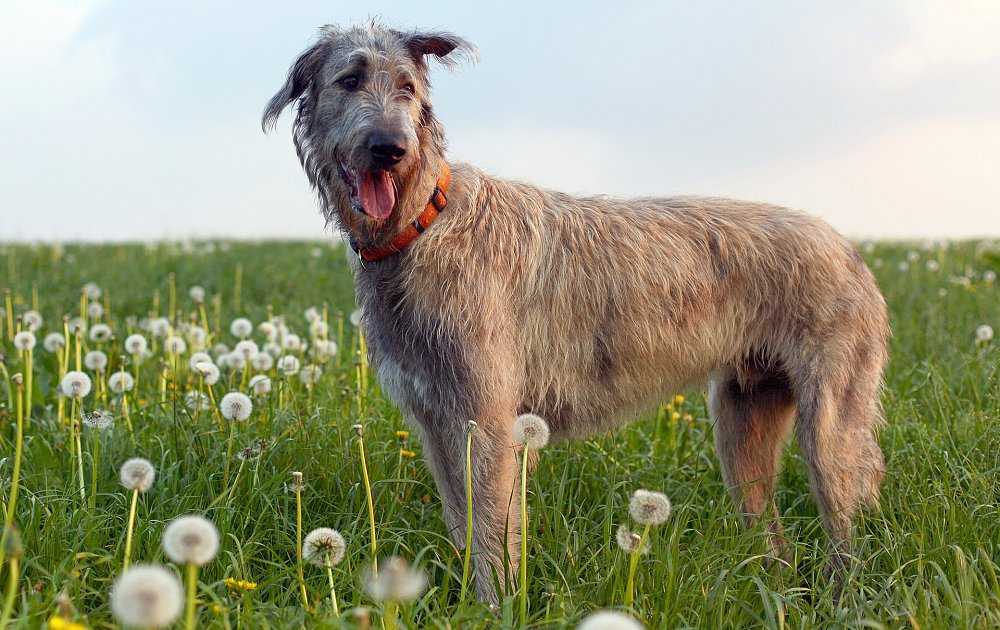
(838, 417)
(753, 410)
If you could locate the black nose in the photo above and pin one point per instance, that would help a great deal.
(386, 148)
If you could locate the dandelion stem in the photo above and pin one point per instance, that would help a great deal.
(130, 529)
(467, 561)
(15, 481)
(298, 541)
(371, 503)
(523, 567)
(389, 615)
(95, 462)
(28, 379)
(75, 428)
(192, 592)
(333, 590)
(633, 563)
(13, 573)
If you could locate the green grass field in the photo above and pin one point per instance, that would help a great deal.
(930, 558)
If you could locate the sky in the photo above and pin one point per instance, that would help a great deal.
(135, 120)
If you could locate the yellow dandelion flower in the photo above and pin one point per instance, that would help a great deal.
(405, 453)
(678, 400)
(240, 585)
(674, 416)
(218, 609)
(60, 623)
(403, 435)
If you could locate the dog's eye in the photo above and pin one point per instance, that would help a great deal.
(409, 89)
(350, 83)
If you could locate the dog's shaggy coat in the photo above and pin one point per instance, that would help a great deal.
(585, 310)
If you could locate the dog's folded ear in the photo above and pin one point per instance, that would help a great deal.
(449, 49)
(300, 76)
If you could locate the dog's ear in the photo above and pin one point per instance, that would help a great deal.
(447, 48)
(300, 77)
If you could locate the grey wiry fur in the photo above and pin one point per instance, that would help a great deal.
(588, 310)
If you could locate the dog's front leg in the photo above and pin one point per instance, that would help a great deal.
(494, 492)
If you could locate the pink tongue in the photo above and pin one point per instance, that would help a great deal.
(378, 195)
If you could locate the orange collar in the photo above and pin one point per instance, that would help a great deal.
(410, 233)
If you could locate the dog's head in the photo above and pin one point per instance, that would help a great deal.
(364, 128)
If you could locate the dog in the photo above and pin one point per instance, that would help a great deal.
(484, 298)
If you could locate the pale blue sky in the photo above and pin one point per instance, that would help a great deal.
(126, 119)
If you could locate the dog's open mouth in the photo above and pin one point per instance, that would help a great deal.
(372, 192)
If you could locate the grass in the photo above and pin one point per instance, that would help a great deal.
(929, 559)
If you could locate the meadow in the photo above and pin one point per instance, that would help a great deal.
(929, 558)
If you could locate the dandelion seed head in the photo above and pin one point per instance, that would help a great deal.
(98, 419)
(159, 327)
(288, 365)
(234, 361)
(175, 345)
(395, 582)
(137, 474)
(241, 327)
(649, 508)
(323, 350)
(310, 374)
(629, 541)
(323, 546)
(262, 362)
(319, 328)
(236, 406)
(100, 333)
(92, 291)
(197, 336)
(198, 357)
(191, 539)
(95, 310)
(312, 314)
(53, 342)
(984, 333)
(609, 620)
(147, 596)
(531, 431)
(77, 325)
(25, 340)
(220, 349)
(260, 384)
(197, 294)
(356, 317)
(136, 345)
(297, 484)
(76, 384)
(247, 349)
(121, 382)
(269, 330)
(209, 372)
(95, 360)
(933, 265)
(291, 342)
(197, 401)
(33, 320)
(989, 276)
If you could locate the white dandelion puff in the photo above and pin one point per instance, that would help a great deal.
(191, 539)
(288, 365)
(159, 327)
(984, 333)
(33, 320)
(220, 349)
(137, 474)
(95, 360)
(312, 314)
(197, 401)
(269, 330)
(273, 348)
(198, 357)
(234, 361)
(531, 431)
(175, 345)
(609, 620)
(310, 374)
(92, 291)
(319, 328)
(236, 406)
(53, 342)
(262, 362)
(197, 336)
(324, 350)
(649, 508)
(136, 345)
(933, 265)
(147, 596)
(291, 342)
(209, 371)
(76, 384)
(629, 541)
(95, 310)
(356, 317)
(395, 581)
(25, 340)
(323, 547)
(260, 385)
(76, 325)
(241, 327)
(99, 333)
(121, 382)
(247, 349)
(197, 294)
(989, 276)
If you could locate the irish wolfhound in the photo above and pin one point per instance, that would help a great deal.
(483, 298)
